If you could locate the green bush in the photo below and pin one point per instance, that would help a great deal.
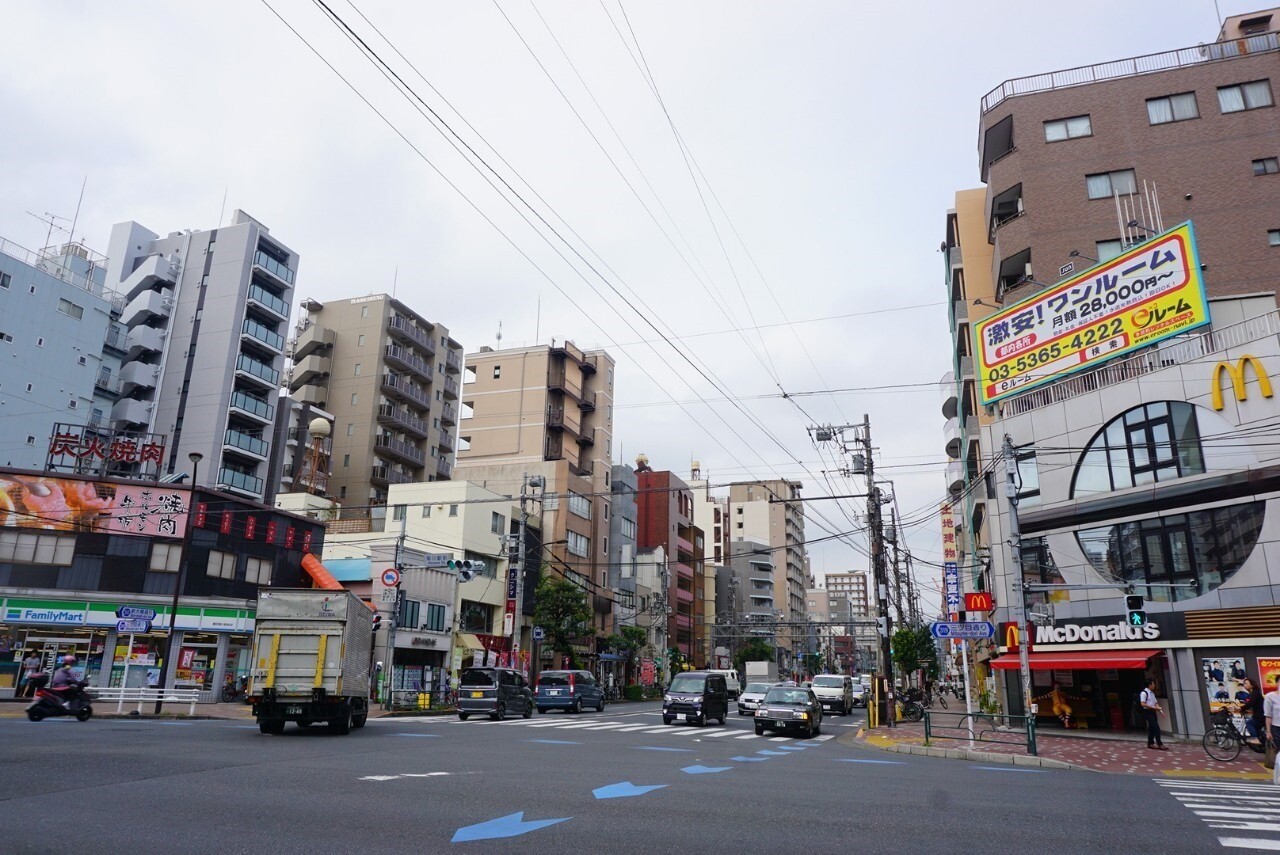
(633, 693)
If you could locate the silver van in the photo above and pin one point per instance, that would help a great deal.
(493, 692)
(835, 692)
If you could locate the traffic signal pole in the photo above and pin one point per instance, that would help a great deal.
(1023, 620)
(875, 534)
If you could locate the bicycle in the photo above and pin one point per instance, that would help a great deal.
(1224, 741)
(612, 695)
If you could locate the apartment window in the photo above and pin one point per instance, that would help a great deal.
(453, 510)
(40, 341)
(628, 529)
(5, 337)
(351, 430)
(346, 460)
(739, 525)
(31, 548)
(222, 565)
(1172, 108)
(342, 492)
(165, 557)
(426, 511)
(357, 369)
(30, 387)
(1150, 443)
(410, 611)
(1109, 249)
(72, 404)
(435, 618)
(1266, 166)
(497, 523)
(5, 281)
(1245, 96)
(70, 309)
(354, 397)
(610, 378)
(364, 311)
(606, 512)
(1104, 185)
(31, 440)
(257, 571)
(1273, 237)
(435, 423)
(604, 547)
(1068, 129)
(84, 360)
(579, 505)
(360, 340)
(579, 545)
(433, 451)
(497, 371)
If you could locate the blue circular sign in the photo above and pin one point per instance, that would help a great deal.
(391, 577)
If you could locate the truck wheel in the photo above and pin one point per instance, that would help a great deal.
(359, 720)
(271, 727)
(342, 724)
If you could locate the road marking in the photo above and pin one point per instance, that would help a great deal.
(749, 759)
(1231, 805)
(1009, 769)
(553, 741)
(705, 770)
(662, 748)
(379, 777)
(877, 762)
(749, 736)
(511, 825)
(1245, 826)
(424, 774)
(624, 790)
(1250, 843)
(772, 753)
(419, 735)
(725, 732)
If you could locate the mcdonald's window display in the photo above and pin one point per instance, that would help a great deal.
(1223, 682)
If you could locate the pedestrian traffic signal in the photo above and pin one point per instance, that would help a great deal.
(1137, 617)
(1134, 602)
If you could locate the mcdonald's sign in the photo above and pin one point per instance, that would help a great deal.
(1237, 374)
(979, 601)
(1011, 635)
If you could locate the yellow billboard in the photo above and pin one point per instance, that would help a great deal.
(1146, 294)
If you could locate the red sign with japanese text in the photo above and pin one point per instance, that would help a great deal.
(271, 531)
(288, 538)
(225, 525)
(71, 504)
(250, 527)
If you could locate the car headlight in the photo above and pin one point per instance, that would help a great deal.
(696, 700)
(800, 714)
(666, 699)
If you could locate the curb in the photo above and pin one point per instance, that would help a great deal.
(966, 754)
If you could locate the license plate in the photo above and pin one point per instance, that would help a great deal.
(293, 710)
(553, 692)
(477, 694)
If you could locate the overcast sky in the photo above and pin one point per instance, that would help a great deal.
(827, 139)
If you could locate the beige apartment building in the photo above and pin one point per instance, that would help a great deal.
(764, 511)
(547, 410)
(390, 379)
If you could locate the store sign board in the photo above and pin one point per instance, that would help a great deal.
(1140, 297)
(71, 504)
(59, 617)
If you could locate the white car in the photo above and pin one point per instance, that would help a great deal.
(751, 698)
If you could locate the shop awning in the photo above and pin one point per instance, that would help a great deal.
(468, 641)
(1078, 659)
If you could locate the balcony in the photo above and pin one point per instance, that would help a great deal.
(684, 571)
(255, 408)
(310, 393)
(403, 419)
(684, 621)
(587, 437)
(254, 446)
(452, 361)
(145, 306)
(951, 432)
(400, 449)
(560, 380)
(444, 469)
(314, 337)
(450, 387)
(587, 403)
(268, 302)
(153, 270)
(241, 482)
(385, 476)
(446, 443)
(132, 411)
(955, 476)
(400, 387)
(138, 375)
(683, 596)
(107, 382)
(1132, 67)
(402, 328)
(313, 367)
(950, 403)
(247, 366)
(555, 419)
(403, 358)
(261, 334)
(115, 338)
(448, 414)
(590, 364)
(684, 546)
(277, 269)
(144, 340)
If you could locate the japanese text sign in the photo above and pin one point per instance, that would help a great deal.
(1148, 293)
(950, 549)
(70, 504)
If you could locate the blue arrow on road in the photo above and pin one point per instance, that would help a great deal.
(511, 825)
(772, 753)
(623, 790)
(791, 747)
(705, 770)
(737, 759)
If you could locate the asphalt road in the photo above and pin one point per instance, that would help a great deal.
(611, 783)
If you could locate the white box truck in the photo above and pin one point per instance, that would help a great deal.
(311, 659)
(761, 671)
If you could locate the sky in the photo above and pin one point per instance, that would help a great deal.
(736, 199)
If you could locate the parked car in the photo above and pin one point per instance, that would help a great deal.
(696, 696)
(752, 695)
(493, 692)
(790, 708)
(570, 691)
(834, 692)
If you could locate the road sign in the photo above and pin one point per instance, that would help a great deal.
(539, 633)
(391, 577)
(970, 629)
(135, 613)
(978, 602)
(133, 625)
(436, 559)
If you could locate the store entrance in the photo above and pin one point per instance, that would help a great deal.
(1087, 699)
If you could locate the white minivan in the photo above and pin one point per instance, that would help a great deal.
(730, 679)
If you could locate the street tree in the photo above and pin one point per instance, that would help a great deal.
(914, 649)
(627, 641)
(560, 608)
(755, 650)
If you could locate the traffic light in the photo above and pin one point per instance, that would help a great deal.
(1134, 604)
(467, 570)
(377, 621)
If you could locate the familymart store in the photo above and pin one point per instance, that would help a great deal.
(211, 648)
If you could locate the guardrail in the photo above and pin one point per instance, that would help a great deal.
(991, 728)
(121, 695)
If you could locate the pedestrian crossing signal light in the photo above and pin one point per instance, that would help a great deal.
(1134, 602)
(1137, 617)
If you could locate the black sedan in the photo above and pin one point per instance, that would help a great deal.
(789, 708)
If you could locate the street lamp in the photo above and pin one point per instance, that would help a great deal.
(195, 457)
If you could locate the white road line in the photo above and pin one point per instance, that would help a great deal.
(1254, 810)
(1218, 814)
(1250, 843)
(1213, 785)
(724, 732)
(824, 737)
(1231, 797)
(749, 736)
(595, 726)
(1247, 826)
(632, 727)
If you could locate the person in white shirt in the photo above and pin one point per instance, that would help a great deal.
(1271, 711)
(1151, 711)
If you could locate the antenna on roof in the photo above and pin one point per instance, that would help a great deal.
(499, 335)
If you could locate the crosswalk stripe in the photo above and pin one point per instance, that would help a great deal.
(1250, 843)
(1231, 797)
(749, 736)
(725, 732)
(1232, 806)
(1247, 826)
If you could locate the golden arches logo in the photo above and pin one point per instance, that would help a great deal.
(1011, 635)
(1237, 374)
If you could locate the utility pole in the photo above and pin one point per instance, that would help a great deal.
(875, 533)
(897, 569)
(515, 573)
(1015, 552)
(389, 673)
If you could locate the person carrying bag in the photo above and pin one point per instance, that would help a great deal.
(1271, 712)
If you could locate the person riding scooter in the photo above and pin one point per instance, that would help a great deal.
(64, 681)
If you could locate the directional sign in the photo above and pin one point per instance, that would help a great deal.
(133, 625)
(436, 559)
(391, 577)
(539, 633)
(971, 629)
(511, 825)
(135, 613)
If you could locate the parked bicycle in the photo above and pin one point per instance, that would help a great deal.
(233, 689)
(1228, 736)
(612, 694)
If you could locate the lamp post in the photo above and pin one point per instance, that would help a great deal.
(195, 457)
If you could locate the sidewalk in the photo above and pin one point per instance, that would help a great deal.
(1121, 756)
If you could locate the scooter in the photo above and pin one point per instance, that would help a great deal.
(74, 700)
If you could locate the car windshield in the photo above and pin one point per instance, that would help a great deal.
(476, 677)
(553, 678)
(757, 688)
(687, 683)
(786, 696)
(829, 682)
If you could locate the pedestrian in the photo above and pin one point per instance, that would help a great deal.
(1251, 709)
(1151, 711)
(30, 668)
(1271, 715)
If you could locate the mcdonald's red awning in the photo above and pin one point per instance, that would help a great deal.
(1078, 659)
